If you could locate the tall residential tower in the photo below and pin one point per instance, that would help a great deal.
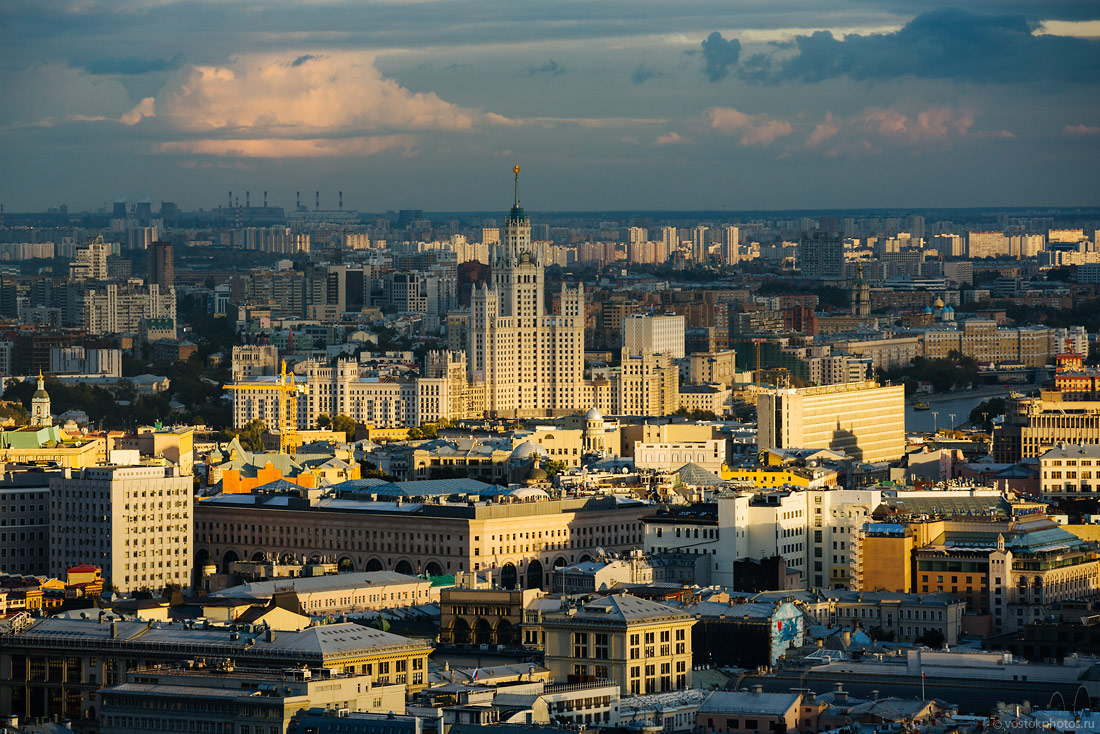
(532, 361)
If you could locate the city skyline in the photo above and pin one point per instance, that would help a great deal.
(696, 106)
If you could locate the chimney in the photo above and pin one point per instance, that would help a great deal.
(270, 635)
(757, 688)
(114, 630)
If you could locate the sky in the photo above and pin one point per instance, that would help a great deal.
(609, 105)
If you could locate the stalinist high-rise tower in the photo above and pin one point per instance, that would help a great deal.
(532, 362)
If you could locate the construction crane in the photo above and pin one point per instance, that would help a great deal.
(286, 421)
(758, 376)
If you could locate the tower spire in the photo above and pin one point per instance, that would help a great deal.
(515, 170)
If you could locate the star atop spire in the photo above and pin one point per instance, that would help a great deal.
(516, 215)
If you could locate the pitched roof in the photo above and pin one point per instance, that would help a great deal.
(695, 475)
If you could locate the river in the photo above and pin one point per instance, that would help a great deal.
(944, 404)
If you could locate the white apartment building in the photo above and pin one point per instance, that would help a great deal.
(117, 308)
(78, 360)
(648, 334)
(90, 262)
(863, 419)
(531, 361)
(815, 530)
(135, 522)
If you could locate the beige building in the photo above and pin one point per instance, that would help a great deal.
(475, 615)
(709, 454)
(518, 542)
(343, 593)
(644, 385)
(338, 390)
(531, 360)
(884, 353)
(230, 699)
(713, 367)
(865, 420)
(260, 360)
(133, 521)
(649, 334)
(982, 340)
(1070, 471)
(643, 645)
(1033, 426)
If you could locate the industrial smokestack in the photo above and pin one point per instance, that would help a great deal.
(248, 199)
(341, 199)
(317, 200)
(265, 200)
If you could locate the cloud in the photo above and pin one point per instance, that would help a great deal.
(131, 65)
(824, 130)
(946, 43)
(670, 138)
(291, 148)
(1082, 129)
(874, 128)
(752, 129)
(275, 96)
(551, 68)
(144, 108)
(643, 74)
(719, 55)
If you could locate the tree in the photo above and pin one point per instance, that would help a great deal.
(986, 410)
(932, 638)
(251, 436)
(15, 411)
(345, 424)
(554, 467)
(323, 421)
(367, 470)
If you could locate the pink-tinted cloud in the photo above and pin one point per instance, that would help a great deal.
(669, 138)
(1082, 129)
(758, 129)
(291, 148)
(876, 128)
(824, 130)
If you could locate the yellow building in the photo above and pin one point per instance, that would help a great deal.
(774, 477)
(886, 558)
(50, 445)
(642, 645)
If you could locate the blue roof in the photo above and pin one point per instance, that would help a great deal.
(419, 488)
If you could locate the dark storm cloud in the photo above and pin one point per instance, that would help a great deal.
(947, 43)
(719, 55)
(643, 74)
(131, 65)
(302, 59)
(551, 68)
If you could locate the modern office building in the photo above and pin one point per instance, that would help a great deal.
(865, 420)
(135, 522)
(531, 360)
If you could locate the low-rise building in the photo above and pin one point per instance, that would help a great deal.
(642, 645)
(56, 666)
(227, 698)
(342, 593)
(749, 712)
(1070, 471)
